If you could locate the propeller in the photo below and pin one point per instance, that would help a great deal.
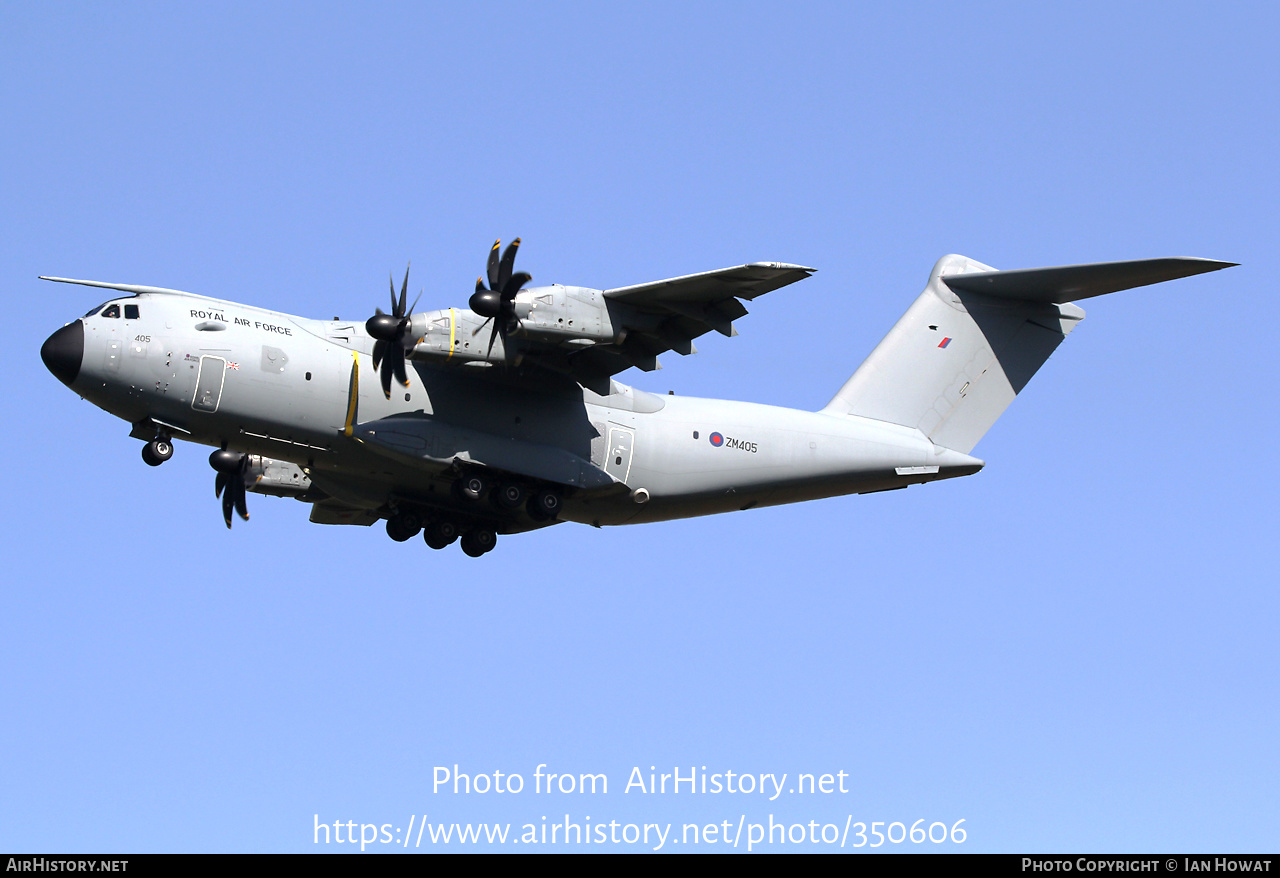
(497, 301)
(231, 467)
(394, 335)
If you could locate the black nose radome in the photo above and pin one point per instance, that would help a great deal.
(63, 351)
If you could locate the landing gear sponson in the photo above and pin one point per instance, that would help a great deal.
(480, 537)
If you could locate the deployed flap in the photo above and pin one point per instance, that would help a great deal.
(1066, 283)
(707, 287)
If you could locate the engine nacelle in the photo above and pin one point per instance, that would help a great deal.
(558, 313)
(456, 336)
(548, 316)
(278, 478)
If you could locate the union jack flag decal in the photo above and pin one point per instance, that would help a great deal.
(235, 366)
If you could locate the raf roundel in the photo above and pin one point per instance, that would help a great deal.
(717, 440)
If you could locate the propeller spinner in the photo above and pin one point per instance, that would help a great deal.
(497, 301)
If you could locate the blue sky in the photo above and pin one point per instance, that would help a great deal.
(1073, 650)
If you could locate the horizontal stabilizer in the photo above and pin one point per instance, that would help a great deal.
(1066, 283)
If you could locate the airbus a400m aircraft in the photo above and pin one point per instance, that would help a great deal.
(505, 417)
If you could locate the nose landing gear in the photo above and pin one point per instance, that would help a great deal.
(157, 451)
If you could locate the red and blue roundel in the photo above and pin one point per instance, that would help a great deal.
(717, 440)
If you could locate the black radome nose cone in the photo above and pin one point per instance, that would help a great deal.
(63, 351)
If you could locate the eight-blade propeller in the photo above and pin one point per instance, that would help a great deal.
(497, 301)
(394, 335)
(230, 483)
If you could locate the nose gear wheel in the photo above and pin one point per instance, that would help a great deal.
(157, 451)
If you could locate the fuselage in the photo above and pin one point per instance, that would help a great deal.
(305, 392)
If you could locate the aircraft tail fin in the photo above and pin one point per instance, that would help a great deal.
(975, 336)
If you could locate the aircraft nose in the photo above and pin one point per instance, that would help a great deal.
(63, 351)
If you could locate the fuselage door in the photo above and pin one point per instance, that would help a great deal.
(213, 371)
(618, 463)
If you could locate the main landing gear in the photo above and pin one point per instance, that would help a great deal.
(479, 540)
(476, 534)
(476, 540)
(541, 505)
(157, 451)
(440, 534)
(404, 526)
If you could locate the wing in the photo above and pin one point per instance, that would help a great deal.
(710, 288)
(668, 315)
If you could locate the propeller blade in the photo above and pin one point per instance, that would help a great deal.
(379, 351)
(384, 374)
(227, 503)
(392, 279)
(239, 487)
(476, 331)
(493, 266)
(480, 287)
(404, 289)
(219, 483)
(397, 365)
(508, 261)
(513, 285)
(492, 336)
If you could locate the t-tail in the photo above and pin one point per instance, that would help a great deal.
(972, 341)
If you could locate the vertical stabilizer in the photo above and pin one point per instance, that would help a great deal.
(974, 338)
(954, 362)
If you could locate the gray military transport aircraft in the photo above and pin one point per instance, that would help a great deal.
(505, 417)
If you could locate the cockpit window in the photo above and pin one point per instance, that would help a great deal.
(112, 310)
(94, 311)
(130, 312)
